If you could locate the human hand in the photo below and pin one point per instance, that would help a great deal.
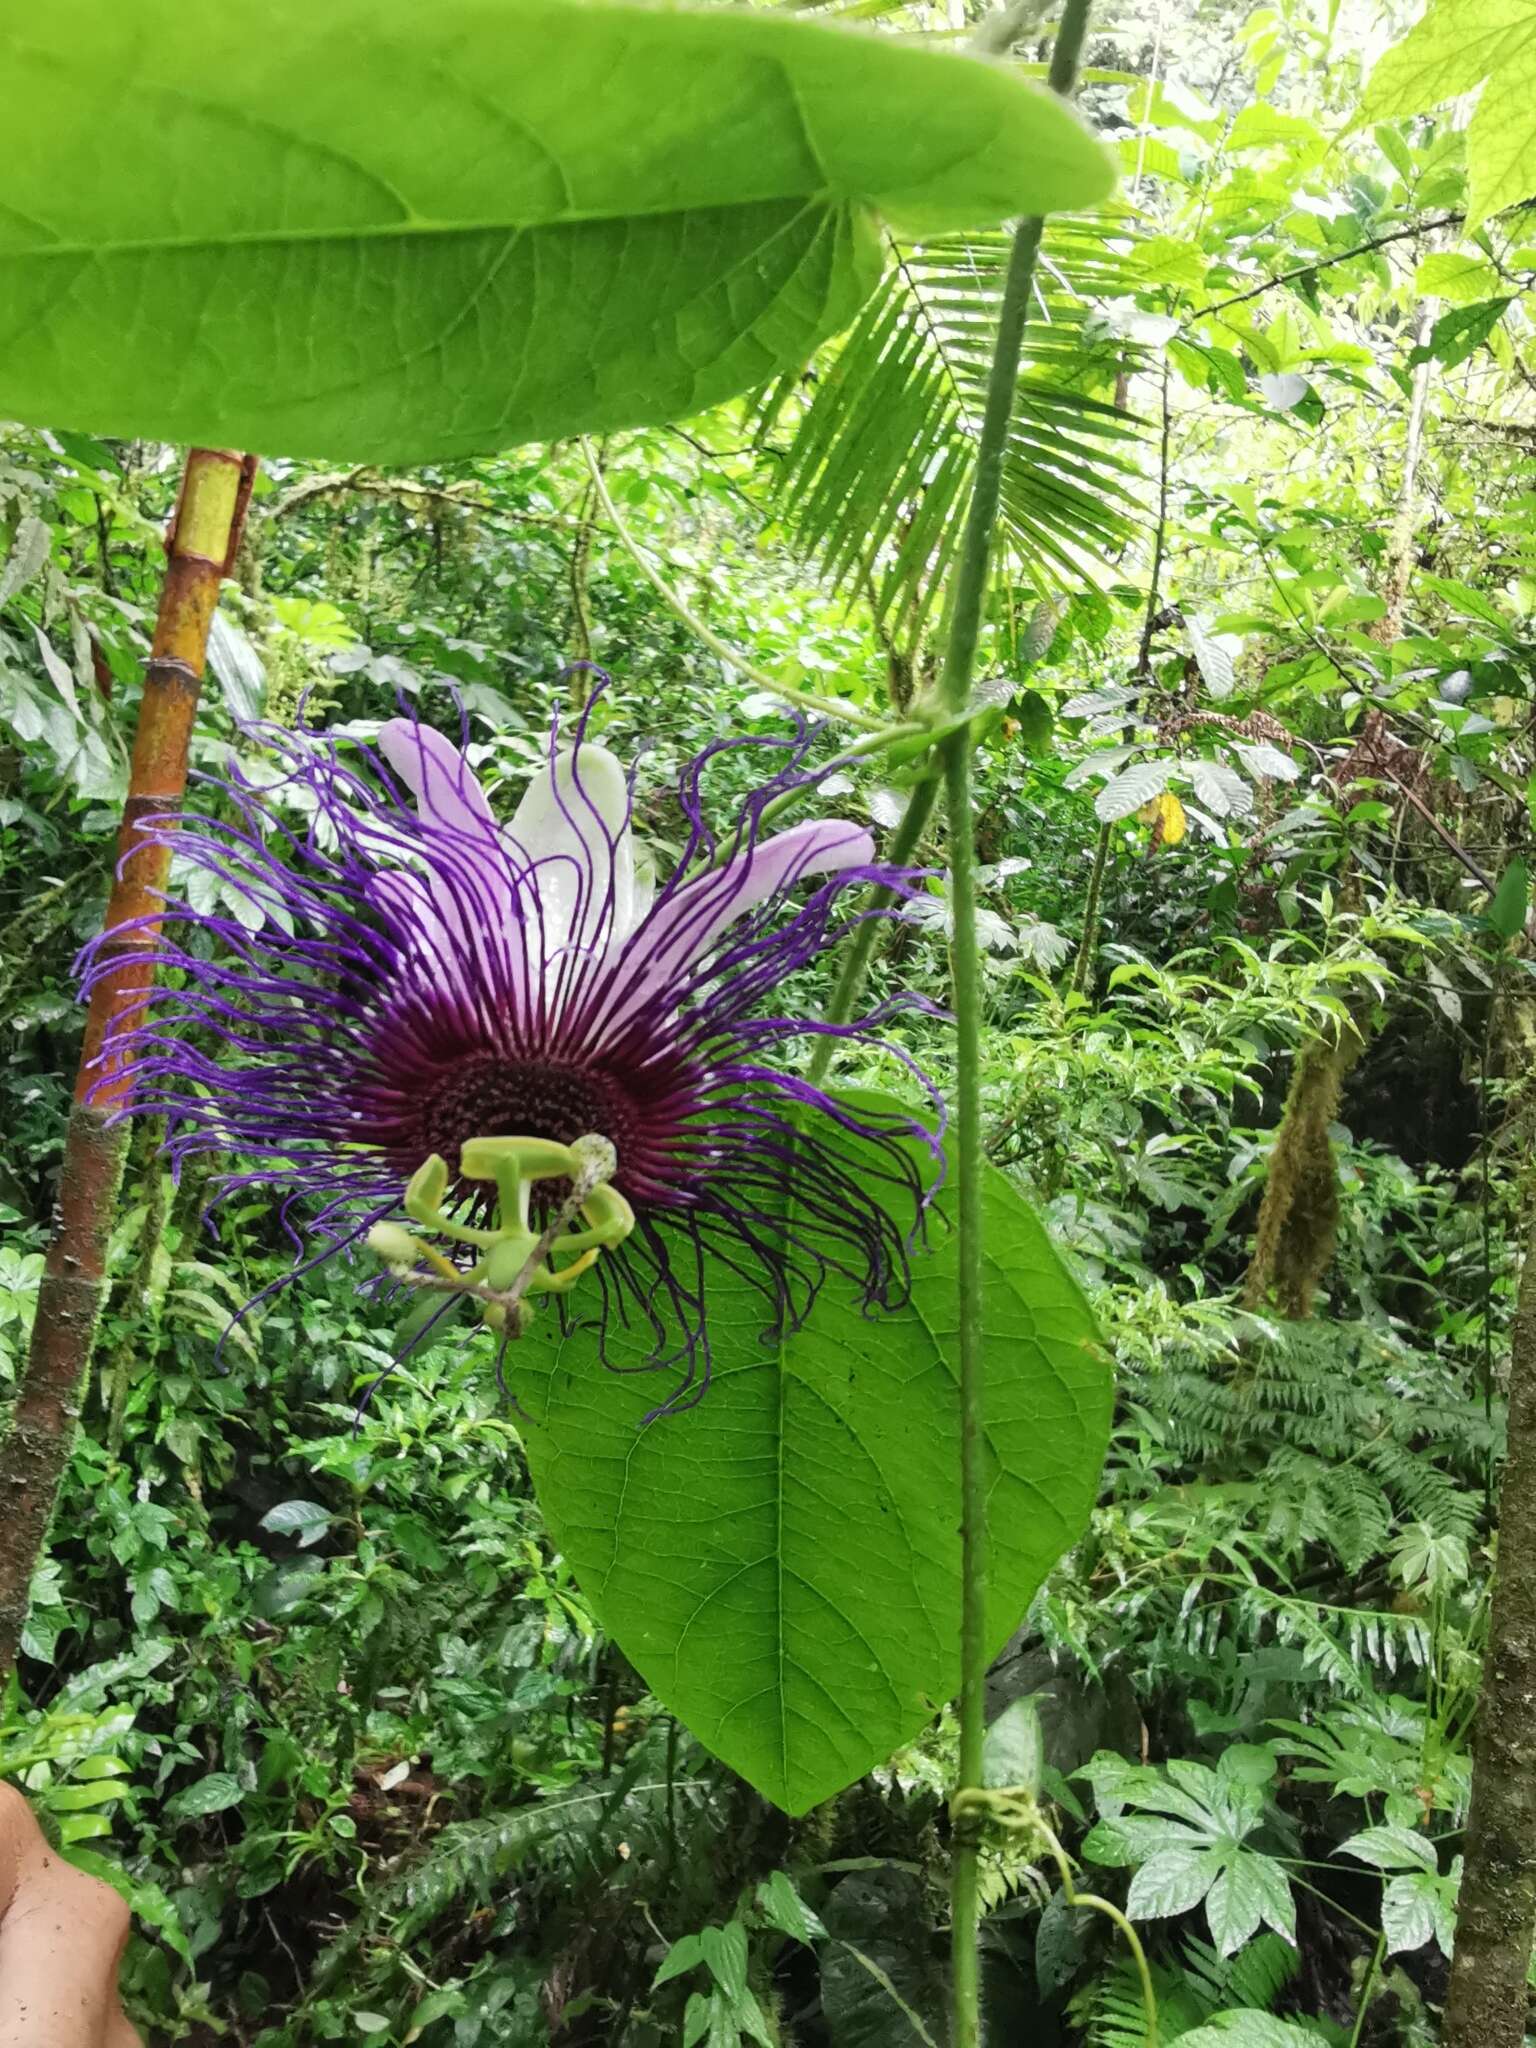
(61, 1939)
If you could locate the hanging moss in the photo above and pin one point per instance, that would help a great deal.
(1299, 1218)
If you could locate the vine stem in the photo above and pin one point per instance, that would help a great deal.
(1111, 1912)
(1367, 1986)
(965, 976)
(1082, 966)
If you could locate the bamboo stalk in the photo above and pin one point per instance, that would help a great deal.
(200, 546)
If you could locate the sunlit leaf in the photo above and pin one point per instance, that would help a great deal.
(397, 232)
(1456, 47)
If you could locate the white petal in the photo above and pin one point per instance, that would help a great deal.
(572, 829)
(689, 922)
(436, 773)
(475, 915)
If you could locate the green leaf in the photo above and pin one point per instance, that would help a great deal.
(696, 2019)
(1458, 45)
(1217, 665)
(874, 482)
(1220, 788)
(398, 232)
(1253, 1889)
(1456, 335)
(1408, 1913)
(1507, 910)
(1129, 790)
(305, 1519)
(82, 1827)
(1455, 276)
(1171, 1882)
(216, 1793)
(1059, 1943)
(725, 1957)
(1259, 126)
(782, 1907)
(78, 1798)
(1390, 1849)
(1245, 2027)
(781, 1562)
(686, 1954)
(1013, 1753)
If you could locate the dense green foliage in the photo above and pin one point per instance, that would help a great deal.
(308, 1671)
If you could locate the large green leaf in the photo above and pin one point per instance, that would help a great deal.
(782, 1562)
(393, 230)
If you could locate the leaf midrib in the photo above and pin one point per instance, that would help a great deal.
(387, 231)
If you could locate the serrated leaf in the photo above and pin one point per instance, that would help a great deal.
(439, 230)
(1265, 762)
(1408, 1913)
(29, 551)
(1251, 1892)
(1456, 276)
(1217, 664)
(1458, 334)
(238, 668)
(1129, 790)
(806, 1621)
(1094, 703)
(1170, 1882)
(1390, 1848)
(1446, 995)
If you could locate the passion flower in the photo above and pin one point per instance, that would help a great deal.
(388, 974)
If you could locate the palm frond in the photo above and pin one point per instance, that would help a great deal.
(883, 451)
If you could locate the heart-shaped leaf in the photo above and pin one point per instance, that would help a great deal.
(782, 1562)
(395, 231)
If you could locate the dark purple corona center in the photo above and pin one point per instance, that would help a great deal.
(488, 1096)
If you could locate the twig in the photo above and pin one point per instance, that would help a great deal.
(1270, 284)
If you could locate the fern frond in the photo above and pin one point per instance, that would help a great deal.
(1424, 1492)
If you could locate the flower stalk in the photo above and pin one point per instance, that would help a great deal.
(201, 546)
(957, 753)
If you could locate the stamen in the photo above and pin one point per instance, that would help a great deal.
(516, 1260)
